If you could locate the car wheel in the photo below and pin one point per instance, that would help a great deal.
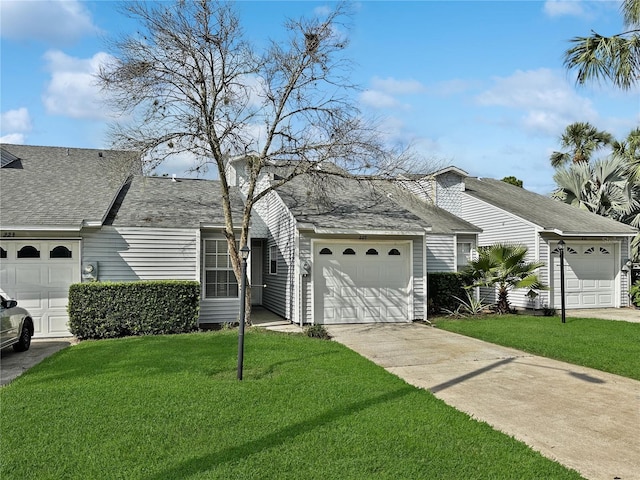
(24, 342)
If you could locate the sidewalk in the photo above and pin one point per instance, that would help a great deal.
(585, 419)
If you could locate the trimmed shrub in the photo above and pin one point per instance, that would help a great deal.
(443, 288)
(118, 309)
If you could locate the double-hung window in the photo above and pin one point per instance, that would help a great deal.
(220, 281)
(463, 255)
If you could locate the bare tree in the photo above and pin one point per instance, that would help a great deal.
(188, 82)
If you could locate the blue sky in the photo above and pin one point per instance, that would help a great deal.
(475, 84)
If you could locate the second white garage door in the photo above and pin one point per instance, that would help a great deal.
(589, 276)
(361, 282)
(38, 274)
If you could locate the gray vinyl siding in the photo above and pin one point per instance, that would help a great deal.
(499, 226)
(625, 278)
(306, 307)
(419, 280)
(441, 253)
(280, 228)
(133, 253)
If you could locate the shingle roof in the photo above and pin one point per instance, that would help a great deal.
(350, 204)
(163, 202)
(346, 204)
(60, 187)
(544, 211)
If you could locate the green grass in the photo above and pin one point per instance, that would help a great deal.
(159, 408)
(610, 346)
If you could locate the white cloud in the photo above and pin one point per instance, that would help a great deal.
(72, 90)
(15, 138)
(384, 91)
(15, 124)
(394, 86)
(57, 22)
(378, 99)
(558, 8)
(17, 120)
(546, 99)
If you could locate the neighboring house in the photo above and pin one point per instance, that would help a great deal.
(50, 198)
(597, 249)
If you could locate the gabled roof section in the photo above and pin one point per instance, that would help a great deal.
(547, 213)
(442, 171)
(345, 204)
(58, 187)
(167, 203)
(7, 158)
(441, 221)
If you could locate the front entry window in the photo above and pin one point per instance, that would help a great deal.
(220, 281)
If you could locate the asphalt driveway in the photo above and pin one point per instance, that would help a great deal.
(585, 419)
(13, 364)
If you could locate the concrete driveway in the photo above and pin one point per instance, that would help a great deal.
(628, 314)
(585, 419)
(13, 364)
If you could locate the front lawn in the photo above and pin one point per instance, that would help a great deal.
(170, 407)
(610, 346)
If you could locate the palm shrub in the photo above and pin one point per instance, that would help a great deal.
(505, 267)
(634, 293)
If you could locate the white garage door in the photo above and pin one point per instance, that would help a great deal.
(589, 276)
(38, 274)
(361, 282)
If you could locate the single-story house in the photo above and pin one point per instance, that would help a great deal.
(349, 251)
(597, 249)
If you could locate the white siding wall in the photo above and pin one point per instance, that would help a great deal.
(625, 279)
(419, 280)
(441, 253)
(499, 226)
(425, 188)
(278, 296)
(132, 253)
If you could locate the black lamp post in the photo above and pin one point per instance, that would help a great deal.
(244, 255)
(562, 305)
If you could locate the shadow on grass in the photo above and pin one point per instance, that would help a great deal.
(207, 462)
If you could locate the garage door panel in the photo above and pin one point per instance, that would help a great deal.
(589, 276)
(57, 299)
(366, 288)
(41, 285)
(61, 274)
(29, 274)
(58, 324)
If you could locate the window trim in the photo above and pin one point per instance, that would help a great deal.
(232, 281)
(273, 260)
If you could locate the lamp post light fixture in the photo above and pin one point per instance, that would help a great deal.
(244, 255)
(562, 305)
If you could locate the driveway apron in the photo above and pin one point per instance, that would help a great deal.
(584, 419)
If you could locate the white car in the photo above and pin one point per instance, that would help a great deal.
(16, 326)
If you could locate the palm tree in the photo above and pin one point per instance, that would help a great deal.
(504, 265)
(605, 187)
(581, 140)
(629, 149)
(615, 58)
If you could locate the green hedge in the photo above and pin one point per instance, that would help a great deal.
(119, 309)
(441, 289)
